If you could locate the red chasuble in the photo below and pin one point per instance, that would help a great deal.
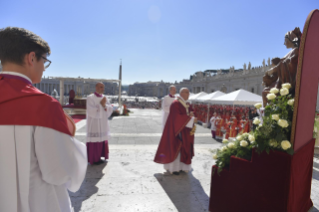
(176, 137)
(23, 104)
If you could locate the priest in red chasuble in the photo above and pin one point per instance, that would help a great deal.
(176, 148)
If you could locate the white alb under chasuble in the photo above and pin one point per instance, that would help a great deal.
(38, 165)
(97, 124)
(166, 104)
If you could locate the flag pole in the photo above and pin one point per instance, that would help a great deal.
(120, 84)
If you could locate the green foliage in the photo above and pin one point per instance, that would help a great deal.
(271, 135)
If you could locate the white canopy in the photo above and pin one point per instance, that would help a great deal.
(209, 96)
(196, 96)
(239, 97)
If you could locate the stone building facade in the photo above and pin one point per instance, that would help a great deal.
(81, 86)
(225, 80)
(158, 89)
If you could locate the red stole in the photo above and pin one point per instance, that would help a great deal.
(23, 104)
(171, 144)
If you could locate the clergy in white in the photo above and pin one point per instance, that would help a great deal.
(98, 130)
(166, 104)
(38, 163)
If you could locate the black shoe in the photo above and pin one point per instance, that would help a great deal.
(99, 162)
(176, 173)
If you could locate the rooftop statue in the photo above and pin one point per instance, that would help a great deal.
(283, 70)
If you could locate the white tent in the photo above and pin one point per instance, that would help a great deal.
(209, 96)
(196, 96)
(239, 97)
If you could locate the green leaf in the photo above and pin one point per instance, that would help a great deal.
(290, 151)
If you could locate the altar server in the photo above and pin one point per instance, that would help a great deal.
(166, 104)
(98, 110)
(39, 157)
(176, 148)
(212, 121)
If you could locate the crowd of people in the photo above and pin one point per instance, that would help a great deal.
(226, 121)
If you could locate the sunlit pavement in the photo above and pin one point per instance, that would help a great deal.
(131, 181)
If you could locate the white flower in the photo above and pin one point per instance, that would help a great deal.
(243, 143)
(291, 102)
(315, 129)
(239, 138)
(286, 85)
(256, 121)
(224, 148)
(225, 141)
(283, 123)
(251, 138)
(231, 145)
(271, 96)
(220, 164)
(259, 126)
(258, 105)
(275, 117)
(215, 157)
(274, 90)
(285, 144)
(284, 91)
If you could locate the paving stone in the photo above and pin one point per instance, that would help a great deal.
(131, 181)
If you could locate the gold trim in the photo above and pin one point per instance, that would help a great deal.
(298, 76)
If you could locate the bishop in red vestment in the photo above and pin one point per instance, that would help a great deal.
(176, 148)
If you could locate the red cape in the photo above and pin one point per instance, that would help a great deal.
(23, 104)
(170, 144)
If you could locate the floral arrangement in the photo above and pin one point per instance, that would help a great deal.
(272, 132)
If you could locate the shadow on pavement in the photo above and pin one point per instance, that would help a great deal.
(185, 191)
(88, 188)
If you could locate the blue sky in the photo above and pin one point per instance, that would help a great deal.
(156, 39)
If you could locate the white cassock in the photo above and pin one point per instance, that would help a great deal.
(177, 165)
(166, 104)
(38, 165)
(98, 128)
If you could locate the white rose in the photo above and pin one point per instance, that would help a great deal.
(283, 123)
(271, 96)
(274, 90)
(286, 85)
(225, 141)
(284, 91)
(243, 143)
(285, 144)
(291, 102)
(256, 121)
(239, 138)
(251, 138)
(258, 105)
(215, 157)
(275, 117)
(224, 148)
(259, 126)
(231, 145)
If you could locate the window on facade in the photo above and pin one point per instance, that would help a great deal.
(213, 90)
(252, 90)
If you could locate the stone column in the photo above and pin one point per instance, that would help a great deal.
(61, 91)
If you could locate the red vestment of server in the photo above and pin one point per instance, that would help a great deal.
(176, 137)
(26, 105)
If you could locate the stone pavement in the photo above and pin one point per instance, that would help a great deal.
(131, 181)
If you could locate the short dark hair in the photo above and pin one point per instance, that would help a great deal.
(16, 42)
